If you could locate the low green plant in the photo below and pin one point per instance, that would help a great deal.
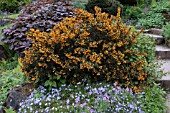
(166, 30)
(153, 100)
(163, 6)
(151, 20)
(8, 64)
(9, 110)
(52, 82)
(10, 75)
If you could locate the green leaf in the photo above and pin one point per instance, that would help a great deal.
(10, 110)
(47, 83)
(58, 77)
(54, 84)
(54, 77)
(63, 81)
(37, 80)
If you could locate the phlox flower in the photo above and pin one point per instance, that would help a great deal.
(77, 99)
(67, 101)
(90, 93)
(106, 95)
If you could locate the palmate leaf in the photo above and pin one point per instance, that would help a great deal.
(42, 15)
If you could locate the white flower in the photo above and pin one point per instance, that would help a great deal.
(40, 103)
(79, 83)
(58, 97)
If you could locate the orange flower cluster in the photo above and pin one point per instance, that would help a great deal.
(97, 47)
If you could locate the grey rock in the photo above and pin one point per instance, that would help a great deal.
(18, 94)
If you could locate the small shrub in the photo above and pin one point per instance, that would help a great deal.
(40, 15)
(166, 30)
(8, 64)
(146, 45)
(132, 12)
(12, 5)
(85, 47)
(162, 6)
(108, 6)
(152, 20)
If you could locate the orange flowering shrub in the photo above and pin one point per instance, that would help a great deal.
(95, 47)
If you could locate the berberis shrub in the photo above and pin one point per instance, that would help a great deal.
(85, 47)
(41, 15)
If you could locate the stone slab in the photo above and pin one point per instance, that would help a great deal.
(165, 67)
(159, 39)
(162, 52)
(155, 31)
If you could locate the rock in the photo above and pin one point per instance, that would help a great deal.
(3, 54)
(155, 31)
(18, 94)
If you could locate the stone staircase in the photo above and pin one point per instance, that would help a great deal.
(162, 52)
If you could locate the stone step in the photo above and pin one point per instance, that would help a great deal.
(159, 39)
(165, 80)
(155, 31)
(162, 52)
